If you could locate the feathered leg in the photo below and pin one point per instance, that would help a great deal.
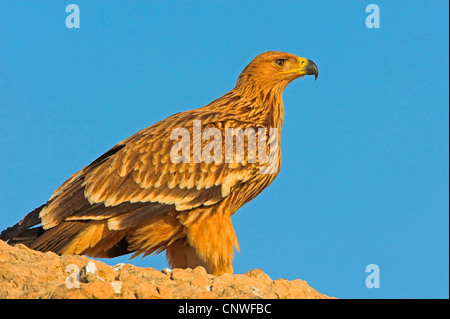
(213, 238)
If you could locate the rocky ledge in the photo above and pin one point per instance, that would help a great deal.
(25, 273)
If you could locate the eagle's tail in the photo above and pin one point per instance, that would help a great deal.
(22, 232)
(92, 238)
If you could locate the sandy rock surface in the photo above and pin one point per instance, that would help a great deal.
(25, 273)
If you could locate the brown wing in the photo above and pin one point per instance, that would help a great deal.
(136, 179)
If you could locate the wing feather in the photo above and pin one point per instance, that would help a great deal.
(139, 171)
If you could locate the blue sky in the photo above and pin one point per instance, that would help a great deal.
(365, 167)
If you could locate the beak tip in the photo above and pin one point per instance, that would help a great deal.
(312, 69)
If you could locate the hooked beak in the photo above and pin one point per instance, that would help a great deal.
(308, 67)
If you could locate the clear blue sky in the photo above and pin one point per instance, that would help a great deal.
(365, 170)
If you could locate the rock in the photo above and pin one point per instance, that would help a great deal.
(25, 273)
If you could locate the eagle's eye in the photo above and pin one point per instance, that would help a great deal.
(280, 62)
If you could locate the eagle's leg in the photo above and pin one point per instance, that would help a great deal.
(210, 241)
(182, 255)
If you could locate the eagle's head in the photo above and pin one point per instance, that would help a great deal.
(274, 68)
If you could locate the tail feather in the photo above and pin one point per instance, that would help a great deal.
(27, 237)
(22, 229)
(92, 238)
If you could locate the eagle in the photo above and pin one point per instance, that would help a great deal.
(174, 185)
